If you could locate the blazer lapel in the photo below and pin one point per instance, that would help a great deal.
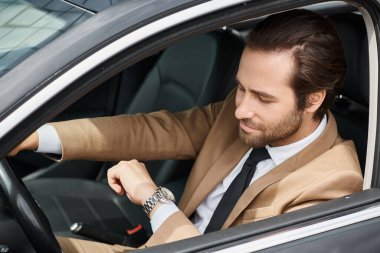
(255, 188)
(323, 143)
(218, 171)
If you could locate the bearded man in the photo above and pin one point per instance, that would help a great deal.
(269, 148)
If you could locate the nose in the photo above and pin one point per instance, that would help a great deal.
(244, 108)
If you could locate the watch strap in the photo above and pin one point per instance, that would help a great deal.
(156, 198)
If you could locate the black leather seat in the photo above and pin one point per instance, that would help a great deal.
(202, 73)
(352, 104)
(191, 73)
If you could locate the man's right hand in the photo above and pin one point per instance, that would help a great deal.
(30, 143)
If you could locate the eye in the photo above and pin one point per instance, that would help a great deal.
(240, 87)
(264, 100)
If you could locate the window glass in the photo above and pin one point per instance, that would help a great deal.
(26, 26)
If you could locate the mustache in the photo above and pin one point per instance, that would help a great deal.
(252, 124)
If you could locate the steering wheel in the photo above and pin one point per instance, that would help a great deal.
(27, 211)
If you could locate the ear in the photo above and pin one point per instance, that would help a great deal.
(314, 101)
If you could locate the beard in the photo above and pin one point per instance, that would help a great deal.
(276, 131)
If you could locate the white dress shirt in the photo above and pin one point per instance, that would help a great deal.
(49, 142)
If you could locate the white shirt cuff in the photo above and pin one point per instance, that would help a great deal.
(48, 140)
(161, 214)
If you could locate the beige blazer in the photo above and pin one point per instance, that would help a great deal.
(326, 169)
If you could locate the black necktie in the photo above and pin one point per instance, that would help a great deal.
(236, 188)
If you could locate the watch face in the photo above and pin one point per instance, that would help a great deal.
(167, 194)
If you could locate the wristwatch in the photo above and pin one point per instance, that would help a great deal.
(161, 195)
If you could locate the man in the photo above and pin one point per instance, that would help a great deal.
(288, 76)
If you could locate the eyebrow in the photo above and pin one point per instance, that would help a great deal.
(260, 93)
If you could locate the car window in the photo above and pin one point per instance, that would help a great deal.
(26, 26)
(95, 5)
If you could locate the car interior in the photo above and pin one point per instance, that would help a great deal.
(193, 72)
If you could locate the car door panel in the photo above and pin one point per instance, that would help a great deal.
(231, 239)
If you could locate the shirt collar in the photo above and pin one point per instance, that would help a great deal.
(282, 153)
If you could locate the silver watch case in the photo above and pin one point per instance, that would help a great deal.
(161, 195)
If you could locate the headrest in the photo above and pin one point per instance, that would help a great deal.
(352, 32)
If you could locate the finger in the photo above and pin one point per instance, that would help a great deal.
(114, 182)
(116, 186)
(12, 153)
(132, 162)
(118, 189)
(142, 165)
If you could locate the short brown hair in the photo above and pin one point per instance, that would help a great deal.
(316, 48)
